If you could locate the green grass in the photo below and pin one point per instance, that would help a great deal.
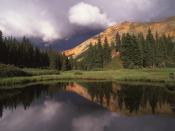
(122, 75)
(37, 71)
(10, 71)
(114, 64)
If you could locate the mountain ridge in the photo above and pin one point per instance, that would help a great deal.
(163, 26)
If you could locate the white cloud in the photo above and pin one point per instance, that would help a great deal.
(58, 19)
(87, 15)
(20, 24)
(93, 122)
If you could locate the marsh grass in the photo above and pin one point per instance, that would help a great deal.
(11, 71)
(37, 71)
(160, 76)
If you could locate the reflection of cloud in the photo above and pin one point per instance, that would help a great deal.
(72, 113)
(50, 109)
(32, 118)
(92, 122)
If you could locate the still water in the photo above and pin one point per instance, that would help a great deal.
(87, 106)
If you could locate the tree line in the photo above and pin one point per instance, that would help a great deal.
(137, 51)
(97, 55)
(23, 54)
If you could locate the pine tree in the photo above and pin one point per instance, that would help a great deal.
(126, 51)
(163, 51)
(99, 54)
(136, 54)
(150, 50)
(106, 52)
(118, 42)
(66, 63)
(159, 56)
(141, 43)
(53, 59)
(173, 55)
(90, 57)
(3, 49)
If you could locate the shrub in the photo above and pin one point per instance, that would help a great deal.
(10, 71)
(78, 73)
(172, 76)
(97, 69)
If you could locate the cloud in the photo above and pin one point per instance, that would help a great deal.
(84, 14)
(93, 122)
(60, 19)
(19, 25)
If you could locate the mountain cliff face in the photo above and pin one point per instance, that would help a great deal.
(166, 26)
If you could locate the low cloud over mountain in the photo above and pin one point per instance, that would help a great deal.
(51, 20)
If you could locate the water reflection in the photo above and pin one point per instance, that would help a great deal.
(131, 99)
(128, 99)
(84, 107)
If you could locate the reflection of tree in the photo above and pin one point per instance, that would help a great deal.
(12, 98)
(130, 97)
(135, 97)
(100, 91)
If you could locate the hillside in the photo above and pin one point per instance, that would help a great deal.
(166, 26)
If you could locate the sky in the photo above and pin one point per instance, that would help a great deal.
(53, 20)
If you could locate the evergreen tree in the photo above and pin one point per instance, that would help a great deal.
(150, 50)
(3, 49)
(126, 51)
(136, 54)
(106, 52)
(141, 43)
(66, 63)
(99, 54)
(173, 55)
(162, 52)
(53, 59)
(90, 57)
(118, 42)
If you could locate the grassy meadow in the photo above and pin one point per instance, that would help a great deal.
(161, 76)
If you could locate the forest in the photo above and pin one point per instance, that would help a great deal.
(23, 53)
(135, 51)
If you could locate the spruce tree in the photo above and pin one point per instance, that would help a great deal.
(66, 64)
(118, 42)
(90, 57)
(136, 54)
(106, 52)
(1, 48)
(173, 55)
(163, 51)
(150, 50)
(99, 54)
(141, 43)
(126, 51)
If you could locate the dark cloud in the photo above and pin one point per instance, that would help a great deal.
(58, 19)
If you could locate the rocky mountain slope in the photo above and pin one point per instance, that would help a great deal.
(165, 26)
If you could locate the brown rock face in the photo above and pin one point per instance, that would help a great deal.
(166, 26)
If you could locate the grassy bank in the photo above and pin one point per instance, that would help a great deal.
(11, 71)
(140, 75)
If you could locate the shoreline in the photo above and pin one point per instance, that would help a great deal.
(147, 76)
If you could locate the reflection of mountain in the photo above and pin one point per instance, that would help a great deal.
(127, 99)
(117, 98)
